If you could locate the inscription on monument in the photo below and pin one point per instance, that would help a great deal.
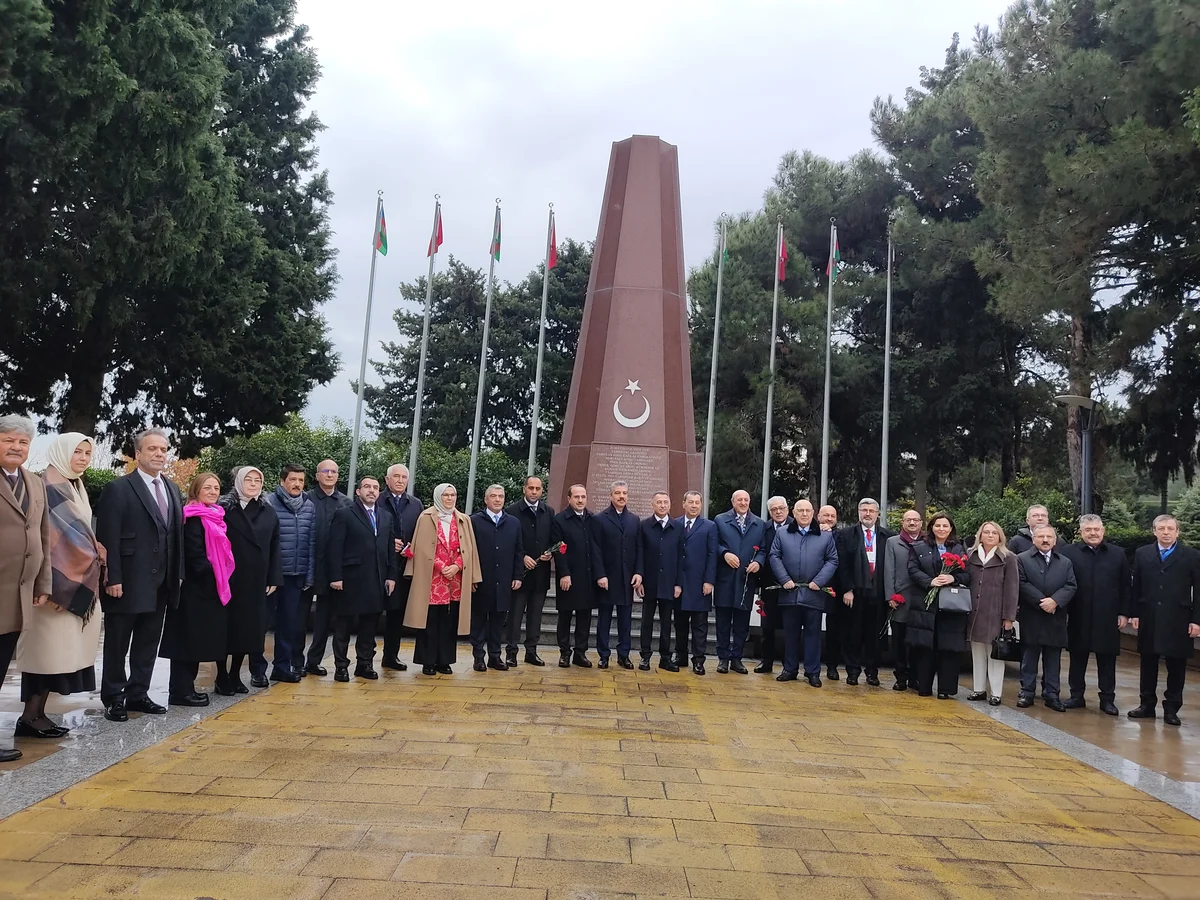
(645, 468)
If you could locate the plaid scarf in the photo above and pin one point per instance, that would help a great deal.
(74, 553)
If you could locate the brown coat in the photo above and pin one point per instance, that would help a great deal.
(24, 553)
(420, 567)
(995, 587)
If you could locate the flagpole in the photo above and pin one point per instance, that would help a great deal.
(537, 378)
(420, 397)
(483, 355)
(362, 363)
(766, 471)
(828, 361)
(712, 376)
(887, 382)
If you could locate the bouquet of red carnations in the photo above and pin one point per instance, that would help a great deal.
(951, 563)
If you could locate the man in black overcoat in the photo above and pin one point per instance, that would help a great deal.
(1047, 586)
(656, 578)
(362, 573)
(1165, 612)
(328, 500)
(501, 555)
(1098, 612)
(140, 523)
(615, 532)
(576, 596)
(768, 585)
(405, 508)
(537, 520)
(860, 605)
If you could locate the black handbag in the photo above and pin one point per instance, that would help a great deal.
(1006, 647)
(954, 599)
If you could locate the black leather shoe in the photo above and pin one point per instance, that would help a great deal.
(195, 698)
(341, 675)
(1142, 712)
(852, 680)
(259, 681)
(814, 680)
(993, 701)
(316, 670)
(1024, 702)
(580, 659)
(9, 755)
(1075, 703)
(531, 659)
(428, 670)
(873, 680)
(115, 712)
(735, 665)
(1171, 718)
(366, 672)
(564, 661)
(786, 676)
(763, 668)
(976, 696)
(668, 664)
(145, 705)
(644, 665)
(223, 688)
(480, 666)
(832, 673)
(286, 675)
(498, 664)
(24, 729)
(698, 668)
(723, 667)
(511, 660)
(395, 665)
(444, 670)
(624, 662)
(1055, 704)
(603, 664)
(239, 687)
(942, 696)
(900, 686)
(1109, 708)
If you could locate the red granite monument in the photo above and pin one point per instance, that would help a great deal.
(629, 414)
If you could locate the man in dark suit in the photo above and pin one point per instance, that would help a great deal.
(362, 570)
(697, 579)
(328, 500)
(656, 578)
(405, 508)
(575, 569)
(739, 540)
(536, 518)
(1047, 587)
(615, 531)
(501, 563)
(804, 561)
(140, 523)
(1165, 612)
(860, 612)
(768, 584)
(1097, 612)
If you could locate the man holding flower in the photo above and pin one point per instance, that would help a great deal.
(1047, 586)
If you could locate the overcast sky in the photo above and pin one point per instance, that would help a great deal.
(522, 100)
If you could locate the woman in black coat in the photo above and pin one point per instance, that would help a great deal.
(254, 534)
(936, 637)
(195, 628)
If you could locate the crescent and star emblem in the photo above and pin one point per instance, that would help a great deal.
(633, 387)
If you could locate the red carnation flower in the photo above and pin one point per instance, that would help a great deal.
(407, 551)
(562, 548)
(898, 599)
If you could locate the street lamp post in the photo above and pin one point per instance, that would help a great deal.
(1087, 425)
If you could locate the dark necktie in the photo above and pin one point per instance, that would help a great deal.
(688, 527)
(741, 523)
(374, 524)
(1163, 554)
(159, 495)
(18, 488)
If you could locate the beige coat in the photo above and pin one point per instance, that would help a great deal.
(24, 552)
(420, 567)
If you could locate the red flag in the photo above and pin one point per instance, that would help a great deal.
(552, 250)
(435, 241)
(783, 257)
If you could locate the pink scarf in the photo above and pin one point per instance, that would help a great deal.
(216, 544)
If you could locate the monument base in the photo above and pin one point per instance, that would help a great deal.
(646, 469)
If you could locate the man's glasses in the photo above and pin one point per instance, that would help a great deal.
(327, 471)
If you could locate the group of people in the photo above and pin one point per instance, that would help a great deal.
(199, 579)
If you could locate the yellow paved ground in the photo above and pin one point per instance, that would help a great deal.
(543, 784)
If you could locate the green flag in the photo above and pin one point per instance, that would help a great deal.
(381, 233)
(495, 251)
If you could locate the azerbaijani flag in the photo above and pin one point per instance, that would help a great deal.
(552, 250)
(495, 251)
(781, 272)
(381, 233)
(435, 240)
(835, 260)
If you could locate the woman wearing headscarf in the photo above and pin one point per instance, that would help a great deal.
(443, 559)
(254, 534)
(57, 652)
(195, 629)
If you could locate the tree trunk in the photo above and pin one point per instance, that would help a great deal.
(921, 481)
(1162, 511)
(85, 375)
(1080, 381)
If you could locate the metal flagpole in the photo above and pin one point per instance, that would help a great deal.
(420, 397)
(828, 361)
(712, 377)
(537, 377)
(362, 365)
(468, 505)
(766, 472)
(887, 383)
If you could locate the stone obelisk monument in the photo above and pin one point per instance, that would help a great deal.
(629, 414)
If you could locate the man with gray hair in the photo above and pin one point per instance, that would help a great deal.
(1034, 516)
(859, 583)
(405, 509)
(25, 574)
(1047, 581)
(139, 521)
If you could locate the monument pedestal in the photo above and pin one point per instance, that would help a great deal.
(629, 413)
